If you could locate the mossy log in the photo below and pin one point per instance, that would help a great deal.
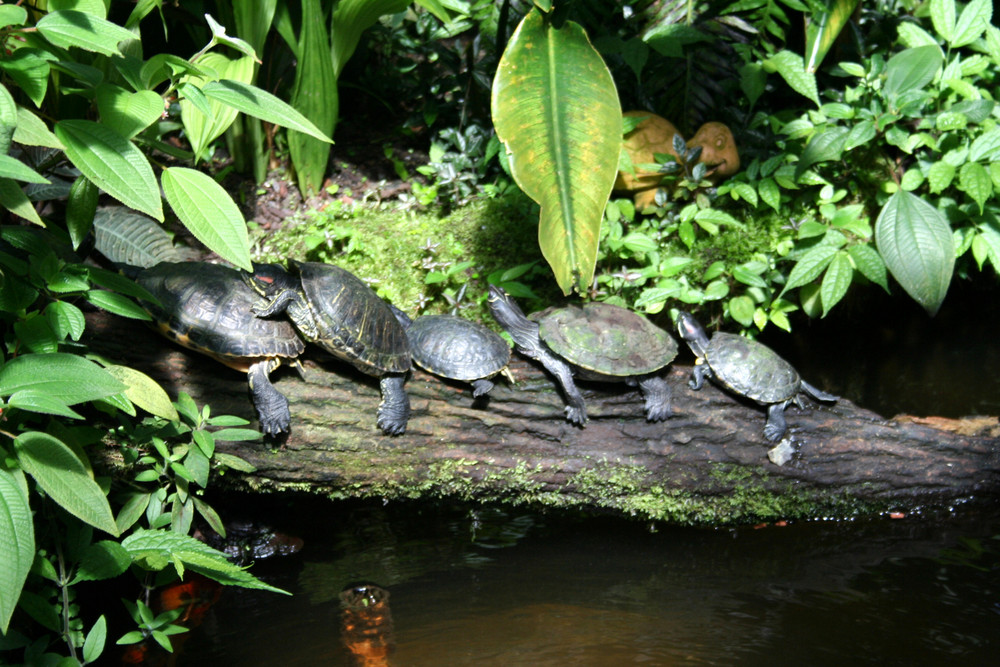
(706, 464)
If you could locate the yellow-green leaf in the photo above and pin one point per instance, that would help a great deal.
(556, 109)
(144, 391)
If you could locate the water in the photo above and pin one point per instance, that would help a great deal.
(504, 586)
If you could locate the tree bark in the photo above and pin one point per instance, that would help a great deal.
(706, 464)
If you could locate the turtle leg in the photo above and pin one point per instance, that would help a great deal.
(394, 410)
(272, 406)
(657, 393)
(279, 304)
(576, 407)
(776, 425)
(699, 372)
(818, 394)
(481, 387)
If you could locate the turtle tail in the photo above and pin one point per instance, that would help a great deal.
(818, 394)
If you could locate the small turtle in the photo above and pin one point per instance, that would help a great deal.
(336, 310)
(457, 349)
(206, 307)
(597, 341)
(747, 368)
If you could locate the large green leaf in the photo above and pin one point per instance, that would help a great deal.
(91, 33)
(69, 378)
(916, 242)
(556, 109)
(315, 96)
(209, 212)
(792, 69)
(350, 19)
(145, 392)
(974, 20)
(64, 477)
(261, 104)
(17, 542)
(823, 30)
(911, 69)
(129, 113)
(112, 163)
(203, 129)
(165, 546)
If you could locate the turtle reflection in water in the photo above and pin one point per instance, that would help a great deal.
(366, 627)
(597, 341)
(747, 368)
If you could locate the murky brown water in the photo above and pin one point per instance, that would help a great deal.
(509, 587)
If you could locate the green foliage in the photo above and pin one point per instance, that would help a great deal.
(102, 77)
(556, 110)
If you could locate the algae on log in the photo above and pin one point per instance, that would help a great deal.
(706, 464)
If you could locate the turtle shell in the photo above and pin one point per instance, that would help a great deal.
(606, 339)
(455, 348)
(206, 308)
(751, 368)
(352, 321)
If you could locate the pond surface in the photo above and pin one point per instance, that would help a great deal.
(503, 586)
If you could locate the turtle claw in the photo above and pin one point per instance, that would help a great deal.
(576, 415)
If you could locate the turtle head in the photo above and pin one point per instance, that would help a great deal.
(270, 279)
(511, 318)
(690, 330)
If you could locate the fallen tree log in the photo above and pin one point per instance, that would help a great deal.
(706, 464)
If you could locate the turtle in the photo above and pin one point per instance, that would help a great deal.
(207, 308)
(596, 341)
(747, 368)
(456, 349)
(336, 310)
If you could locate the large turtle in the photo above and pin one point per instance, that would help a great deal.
(747, 368)
(206, 307)
(597, 341)
(335, 309)
(457, 349)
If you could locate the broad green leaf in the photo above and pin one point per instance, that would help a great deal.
(911, 70)
(164, 546)
(61, 474)
(13, 199)
(32, 130)
(350, 19)
(208, 211)
(986, 146)
(972, 22)
(118, 304)
(823, 29)
(940, 176)
(261, 104)
(824, 146)
(67, 377)
(12, 15)
(8, 119)
(910, 35)
(112, 163)
(16, 170)
(66, 320)
(943, 18)
(916, 242)
(132, 511)
(129, 113)
(869, 263)
(93, 646)
(975, 181)
(770, 193)
(792, 69)
(715, 217)
(33, 400)
(202, 130)
(233, 462)
(102, 560)
(145, 392)
(556, 110)
(98, 8)
(81, 206)
(860, 134)
(741, 309)
(29, 68)
(70, 28)
(124, 236)
(810, 266)
(836, 280)
(17, 542)
(314, 95)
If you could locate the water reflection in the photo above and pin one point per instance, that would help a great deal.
(508, 587)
